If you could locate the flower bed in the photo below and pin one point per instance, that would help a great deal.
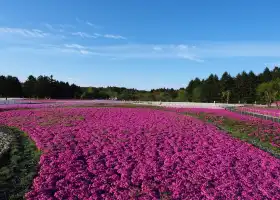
(137, 153)
(218, 111)
(262, 111)
(43, 104)
(69, 103)
(261, 132)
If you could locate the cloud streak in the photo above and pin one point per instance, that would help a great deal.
(74, 46)
(120, 52)
(238, 49)
(84, 35)
(198, 53)
(58, 27)
(54, 31)
(32, 33)
(92, 25)
(117, 37)
(98, 35)
(87, 23)
(51, 28)
(195, 52)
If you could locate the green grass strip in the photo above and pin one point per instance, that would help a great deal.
(18, 166)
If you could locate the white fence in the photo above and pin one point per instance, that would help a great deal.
(10, 100)
(187, 104)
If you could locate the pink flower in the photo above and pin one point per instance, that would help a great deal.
(120, 152)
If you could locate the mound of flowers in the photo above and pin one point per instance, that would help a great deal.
(273, 112)
(266, 131)
(37, 104)
(134, 153)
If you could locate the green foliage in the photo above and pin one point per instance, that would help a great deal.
(265, 91)
(10, 87)
(211, 89)
(242, 88)
(269, 91)
(29, 86)
(226, 82)
(182, 95)
(47, 87)
(266, 76)
(226, 96)
(18, 166)
(192, 85)
(90, 90)
(197, 94)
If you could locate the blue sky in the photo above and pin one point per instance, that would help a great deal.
(142, 44)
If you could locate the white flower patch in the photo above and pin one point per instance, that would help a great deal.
(5, 141)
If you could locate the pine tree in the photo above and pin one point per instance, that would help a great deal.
(227, 84)
(266, 76)
(192, 85)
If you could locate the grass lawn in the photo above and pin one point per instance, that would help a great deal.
(18, 165)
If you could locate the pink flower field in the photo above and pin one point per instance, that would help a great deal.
(266, 130)
(263, 111)
(35, 104)
(218, 111)
(137, 153)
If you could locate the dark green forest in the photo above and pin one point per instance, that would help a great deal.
(244, 88)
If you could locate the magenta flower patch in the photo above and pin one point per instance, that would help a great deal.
(122, 153)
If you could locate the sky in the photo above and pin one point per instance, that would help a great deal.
(139, 44)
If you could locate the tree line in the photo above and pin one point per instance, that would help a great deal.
(244, 88)
(40, 87)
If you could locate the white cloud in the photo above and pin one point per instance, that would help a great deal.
(84, 35)
(98, 35)
(48, 26)
(75, 46)
(34, 33)
(87, 23)
(84, 52)
(190, 57)
(182, 47)
(272, 64)
(114, 36)
(66, 26)
(92, 25)
(156, 48)
(200, 52)
(79, 20)
(56, 27)
(120, 52)
(237, 49)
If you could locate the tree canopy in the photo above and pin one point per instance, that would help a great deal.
(244, 88)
